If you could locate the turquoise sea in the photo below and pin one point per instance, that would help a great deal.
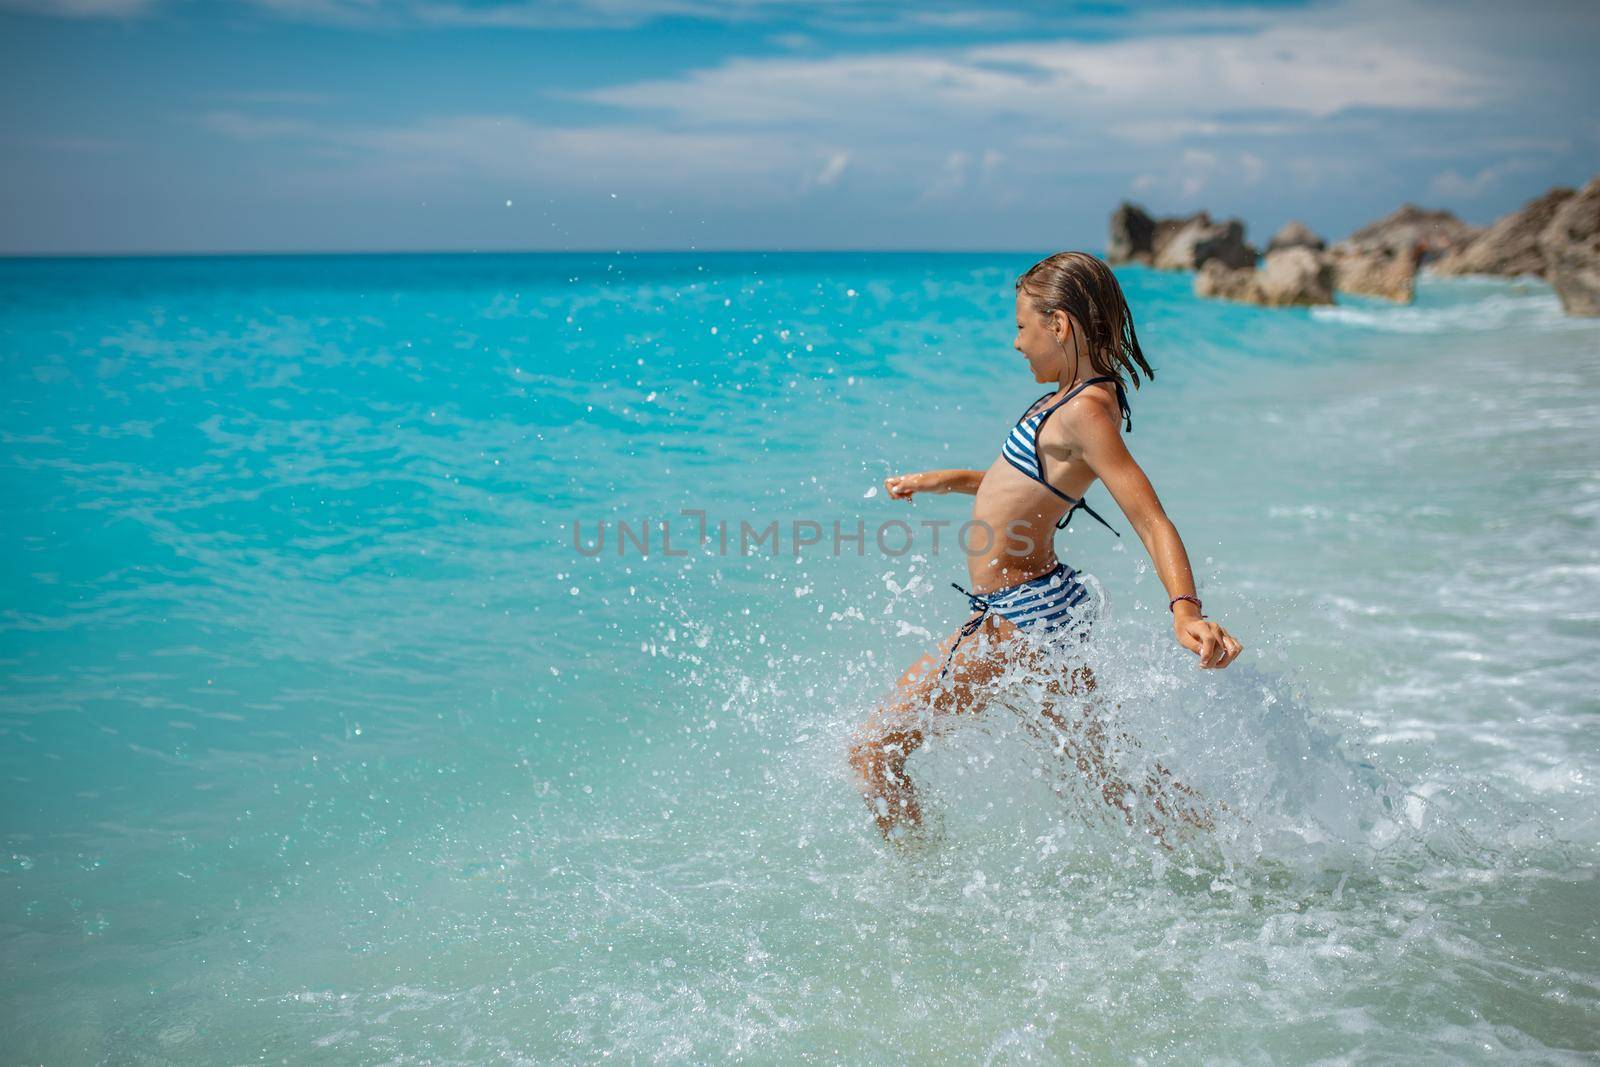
(323, 741)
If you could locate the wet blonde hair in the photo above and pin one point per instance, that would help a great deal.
(1084, 287)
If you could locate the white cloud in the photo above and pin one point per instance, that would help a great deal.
(1251, 168)
(273, 97)
(242, 126)
(1491, 144)
(833, 169)
(1313, 65)
(1292, 66)
(1452, 185)
(795, 41)
(1207, 103)
(1326, 173)
(1201, 170)
(632, 155)
(1160, 131)
(965, 18)
(247, 127)
(950, 179)
(738, 165)
(844, 15)
(572, 15)
(83, 9)
(847, 90)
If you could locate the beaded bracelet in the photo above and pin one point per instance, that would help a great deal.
(1185, 596)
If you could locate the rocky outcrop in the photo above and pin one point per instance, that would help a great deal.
(1570, 246)
(1200, 241)
(1381, 258)
(1176, 242)
(1295, 234)
(1427, 233)
(1556, 236)
(1225, 283)
(1132, 235)
(1386, 272)
(1509, 247)
(1168, 228)
(1296, 275)
(1291, 276)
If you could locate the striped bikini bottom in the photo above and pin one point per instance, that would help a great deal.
(1056, 600)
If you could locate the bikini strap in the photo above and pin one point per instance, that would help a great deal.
(1065, 519)
(1030, 412)
(970, 627)
(1122, 397)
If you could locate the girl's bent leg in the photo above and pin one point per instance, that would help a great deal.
(921, 700)
(1083, 742)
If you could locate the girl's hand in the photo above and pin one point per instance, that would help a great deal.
(902, 486)
(1215, 646)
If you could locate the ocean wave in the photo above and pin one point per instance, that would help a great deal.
(1537, 310)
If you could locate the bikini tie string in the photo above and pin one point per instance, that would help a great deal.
(968, 628)
(1067, 518)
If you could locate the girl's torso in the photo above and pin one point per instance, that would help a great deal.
(1015, 514)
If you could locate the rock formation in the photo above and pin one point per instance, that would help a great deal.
(1381, 258)
(1168, 228)
(1200, 241)
(1177, 242)
(1387, 272)
(1570, 245)
(1556, 236)
(1295, 234)
(1226, 283)
(1509, 247)
(1296, 275)
(1428, 233)
(1132, 235)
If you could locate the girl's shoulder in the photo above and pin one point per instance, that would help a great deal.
(1093, 404)
(1092, 396)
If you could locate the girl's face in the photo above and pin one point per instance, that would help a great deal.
(1037, 342)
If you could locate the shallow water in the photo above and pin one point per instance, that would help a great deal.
(323, 743)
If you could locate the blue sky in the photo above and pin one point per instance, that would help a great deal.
(327, 125)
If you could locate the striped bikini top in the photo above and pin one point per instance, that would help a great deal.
(1021, 447)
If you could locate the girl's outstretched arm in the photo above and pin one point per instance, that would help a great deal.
(902, 486)
(1107, 455)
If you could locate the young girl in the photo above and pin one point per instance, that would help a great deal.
(1074, 329)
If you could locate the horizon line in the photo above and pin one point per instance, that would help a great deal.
(353, 253)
